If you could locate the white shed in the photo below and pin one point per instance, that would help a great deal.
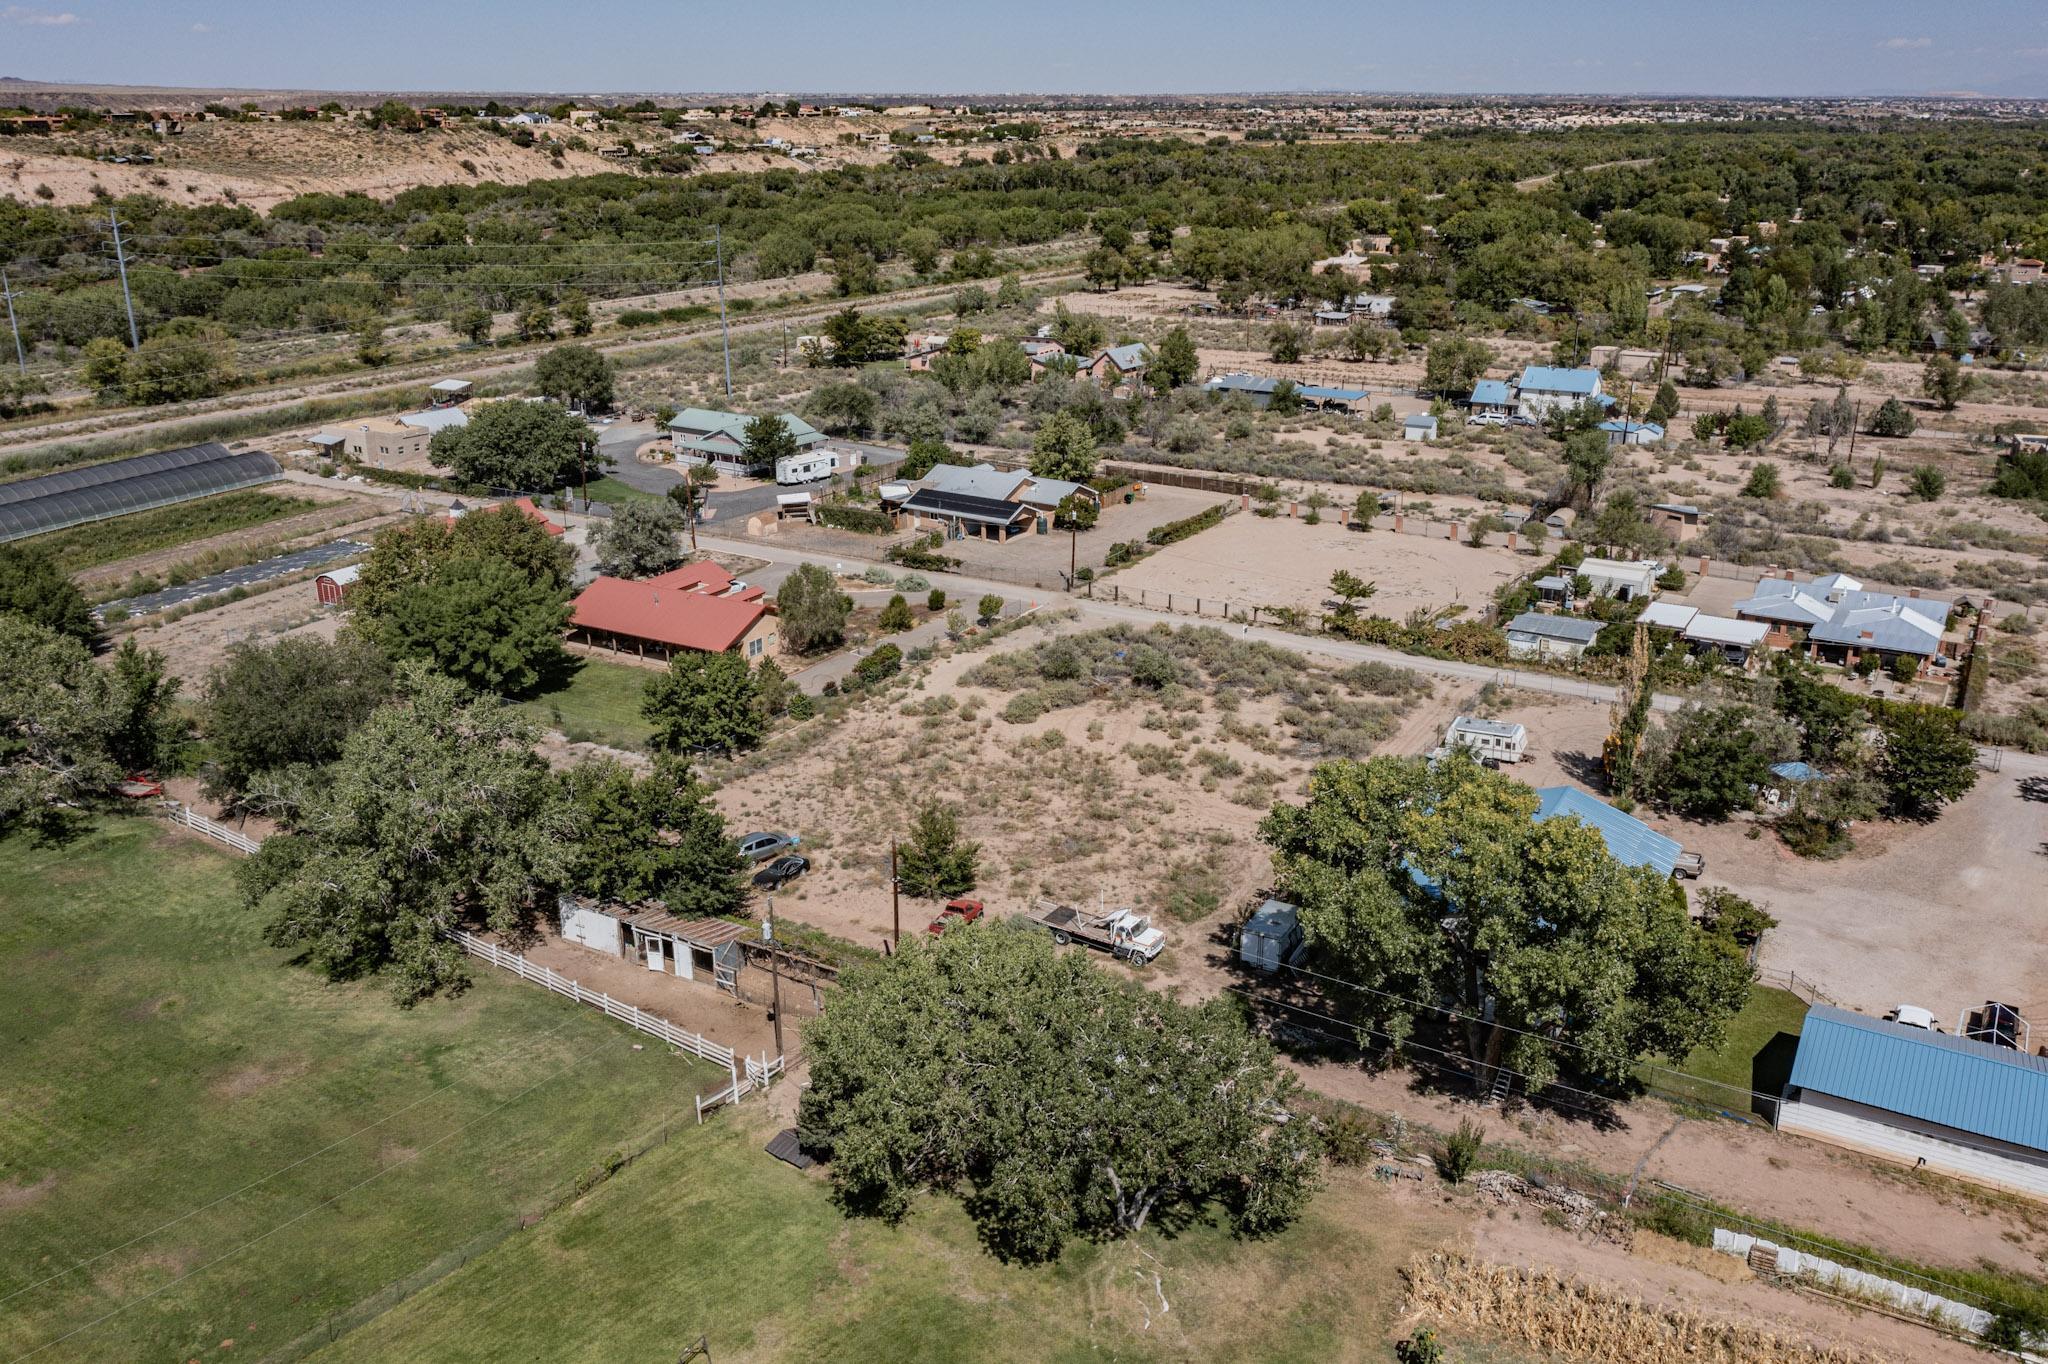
(1418, 426)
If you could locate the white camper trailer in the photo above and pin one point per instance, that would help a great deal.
(814, 465)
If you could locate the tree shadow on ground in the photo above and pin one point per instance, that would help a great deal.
(1584, 768)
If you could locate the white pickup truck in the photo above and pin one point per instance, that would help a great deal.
(1123, 933)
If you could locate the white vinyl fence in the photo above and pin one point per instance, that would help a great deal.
(179, 813)
(631, 1015)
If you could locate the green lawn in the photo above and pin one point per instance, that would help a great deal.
(595, 700)
(610, 490)
(712, 1236)
(200, 1142)
(1749, 1058)
(102, 542)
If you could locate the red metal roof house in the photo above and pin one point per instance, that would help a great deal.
(698, 606)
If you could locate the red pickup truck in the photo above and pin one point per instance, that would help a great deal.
(955, 912)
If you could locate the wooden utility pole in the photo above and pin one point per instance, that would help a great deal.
(700, 1350)
(774, 977)
(895, 900)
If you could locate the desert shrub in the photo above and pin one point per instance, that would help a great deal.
(1460, 1152)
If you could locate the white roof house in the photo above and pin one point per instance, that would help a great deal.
(1626, 579)
(1659, 615)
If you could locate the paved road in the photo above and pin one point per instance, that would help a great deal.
(249, 575)
(729, 504)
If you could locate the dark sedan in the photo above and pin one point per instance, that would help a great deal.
(781, 870)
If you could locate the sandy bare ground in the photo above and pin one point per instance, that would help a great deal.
(193, 645)
(1251, 560)
(1095, 802)
(263, 164)
(1801, 1183)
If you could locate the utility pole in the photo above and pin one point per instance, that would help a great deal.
(724, 332)
(1855, 420)
(895, 900)
(1073, 551)
(774, 975)
(121, 261)
(7, 291)
(582, 487)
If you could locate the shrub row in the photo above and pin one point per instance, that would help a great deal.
(1173, 532)
(860, 520)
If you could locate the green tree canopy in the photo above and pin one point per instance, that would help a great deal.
(704, 701)
(654, 837)
(437, 815)
(1454, 364)
(811, 610)
(640, 539)
(1060, 1101)
(1928, 761)
(33, 587)
(1064, 448)
(292, 702)
(1433, 885)
(935, 862)
(59, 715)
(1174, 361)
(768, 439)
(1707, 761)
(527, 447)
(580, 376)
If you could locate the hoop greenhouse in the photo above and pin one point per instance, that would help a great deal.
(73, 497)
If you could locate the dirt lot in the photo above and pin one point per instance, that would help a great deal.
(196, 643)
(1250, 560)
(1862, 926)
(1131, 796)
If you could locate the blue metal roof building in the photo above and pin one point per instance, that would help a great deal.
(1633, 843)
(1550, 379)
(1968, 1087)
(1491, 393)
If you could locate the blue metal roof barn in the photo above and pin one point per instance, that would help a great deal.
(72, 497)
(1968, 1086)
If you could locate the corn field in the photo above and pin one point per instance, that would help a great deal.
(1577, 1321)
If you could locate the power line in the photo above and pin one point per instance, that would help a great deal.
(254, 1183)
(301, 1216)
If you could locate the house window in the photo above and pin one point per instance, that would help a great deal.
(753, 648)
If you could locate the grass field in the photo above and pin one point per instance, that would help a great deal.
(595, 700)
(102, 542)
(1748, 1059)
(711, 1236)
(611, 491)
(202, 1143)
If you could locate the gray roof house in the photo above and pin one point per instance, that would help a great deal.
(1534, 634)
(1836, 612)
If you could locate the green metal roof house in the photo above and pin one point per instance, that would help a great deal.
(703, 436)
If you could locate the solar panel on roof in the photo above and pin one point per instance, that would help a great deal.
(964, 504)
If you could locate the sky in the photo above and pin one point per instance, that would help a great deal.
(1733, 47)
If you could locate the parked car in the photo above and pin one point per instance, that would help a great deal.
(1690, 866)
(955, 912)
(758, 846)
(780, 871)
